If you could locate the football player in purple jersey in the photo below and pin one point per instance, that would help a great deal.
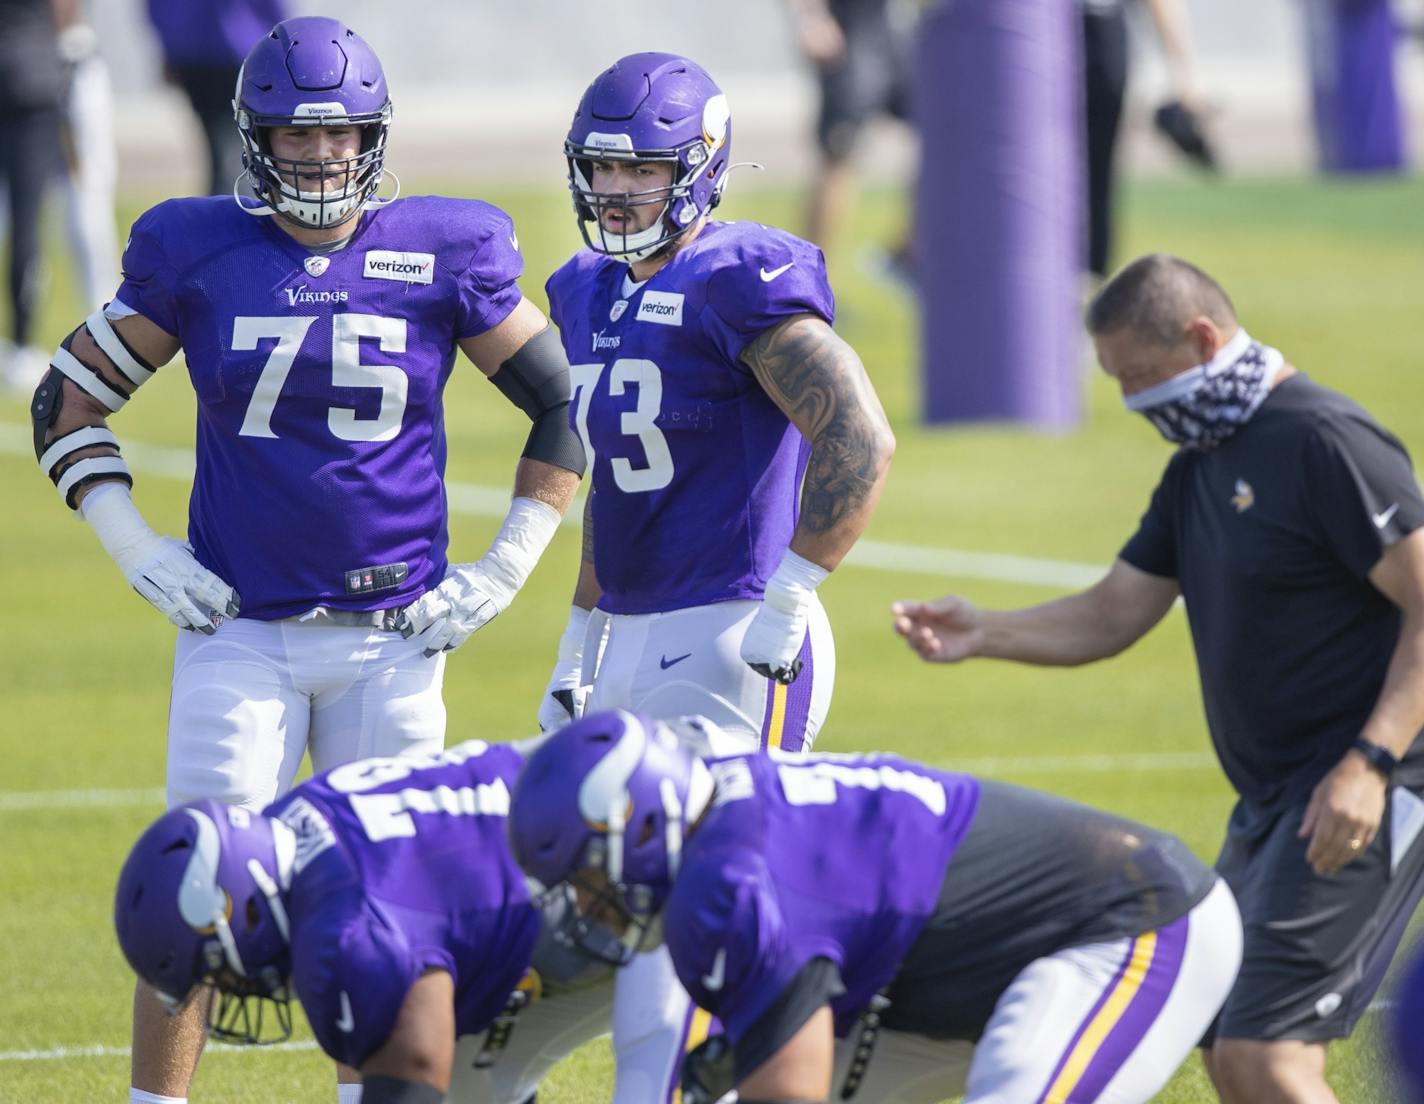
(383, 895)
(804, 897)
(320, 326)
(737, 446)
(737, 450)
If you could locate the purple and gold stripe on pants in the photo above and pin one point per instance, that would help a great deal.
(1119, 1020)
(695, 1029)
(789, 707)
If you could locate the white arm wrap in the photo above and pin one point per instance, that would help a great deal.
(527, 530)
(126, 537)
(107, 338)
(87, 378)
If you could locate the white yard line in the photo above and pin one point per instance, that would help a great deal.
(478, 501)
(27, 801)
(61, 1053)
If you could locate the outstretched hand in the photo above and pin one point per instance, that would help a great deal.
(947, 630)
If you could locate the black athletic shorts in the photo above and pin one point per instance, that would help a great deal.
(873, 78)
(1316, 947)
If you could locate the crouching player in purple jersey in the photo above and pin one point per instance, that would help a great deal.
(320, 327)
(808, 896)
(383, 894)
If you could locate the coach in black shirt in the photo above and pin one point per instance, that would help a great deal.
(1290, 522)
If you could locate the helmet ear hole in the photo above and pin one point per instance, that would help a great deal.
(648, 831)
(252, 915)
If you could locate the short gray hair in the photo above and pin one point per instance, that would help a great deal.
(1155, 297)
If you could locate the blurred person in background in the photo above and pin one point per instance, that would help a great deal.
(34, 81)
(319, 325)
(736, 449)
(1291, 524)
(203, 44)
(90, 161)
(862, 51)
(1106, 63)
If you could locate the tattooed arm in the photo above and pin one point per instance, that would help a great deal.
(820, 384)
(587, 592)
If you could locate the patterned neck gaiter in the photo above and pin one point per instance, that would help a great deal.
(1203, 406)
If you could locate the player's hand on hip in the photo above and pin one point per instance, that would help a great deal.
(772, 644)
(467, 600)
(1343, 815)
(183, 590)
(947, 630)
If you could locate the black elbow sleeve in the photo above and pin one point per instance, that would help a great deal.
(536, 379)
(552, 440)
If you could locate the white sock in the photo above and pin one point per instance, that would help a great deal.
(348, 1094)
(138, 1096)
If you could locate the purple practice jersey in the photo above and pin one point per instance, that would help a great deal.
(811, 856)
(403, 866)
(695, 471)
(321, 432)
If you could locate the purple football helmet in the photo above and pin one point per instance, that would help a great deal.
(200, 903)
(605, 804)
(313, 71)
(649, 107)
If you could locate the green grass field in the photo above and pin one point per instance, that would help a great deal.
(1332, 273)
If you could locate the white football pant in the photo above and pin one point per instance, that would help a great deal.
(689, 661)
(1109, 1023)
(250, 699)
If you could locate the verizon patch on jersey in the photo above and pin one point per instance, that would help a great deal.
(409, 268)
(662, 307)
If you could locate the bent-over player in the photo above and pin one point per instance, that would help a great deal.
(1085, 954)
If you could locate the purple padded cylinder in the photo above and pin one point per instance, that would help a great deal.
(999, 211)
(1358, 122)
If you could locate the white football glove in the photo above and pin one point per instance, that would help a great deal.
(567, 693)
(474, 594)
(161, 569)
(778, 628)
(466, 601)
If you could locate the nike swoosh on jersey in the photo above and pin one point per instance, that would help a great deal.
(713, 982)
(768, 277)
(665, 663)
(347, 1023)
(1381, 519)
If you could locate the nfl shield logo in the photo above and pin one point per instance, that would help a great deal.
(315, 266)
(617, 311)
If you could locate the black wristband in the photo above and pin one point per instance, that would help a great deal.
(1382, 759)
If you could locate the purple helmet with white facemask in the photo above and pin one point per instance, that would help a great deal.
(605, 805)
(313, 71)
(649, 107)
(200, 902)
